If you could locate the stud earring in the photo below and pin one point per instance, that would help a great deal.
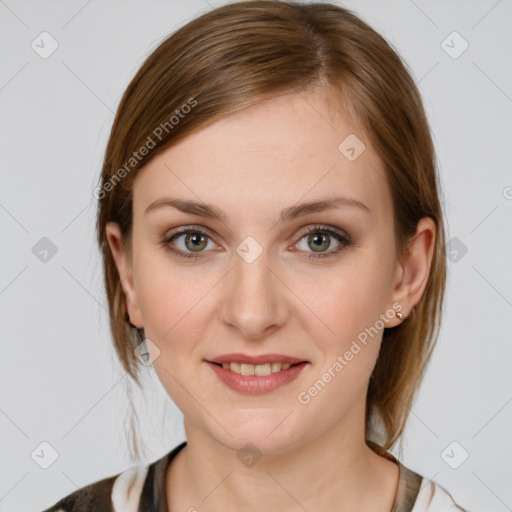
(400, 315)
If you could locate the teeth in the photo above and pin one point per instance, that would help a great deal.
(247, 369)
(262, 369)
(258, 369)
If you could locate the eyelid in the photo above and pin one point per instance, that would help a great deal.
(306, 230)
(323, 227)
(189, 227)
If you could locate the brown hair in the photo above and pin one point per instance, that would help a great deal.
(239, 54)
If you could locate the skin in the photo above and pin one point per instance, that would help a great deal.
(252, 164)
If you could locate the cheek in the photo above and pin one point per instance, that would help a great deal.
(173, 310)
(342, 300)
(342, 313)
(158, 286)
(172, 301)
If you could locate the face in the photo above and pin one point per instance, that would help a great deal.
(317, 285)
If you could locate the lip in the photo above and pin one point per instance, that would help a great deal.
(257, 384)
(259, 359)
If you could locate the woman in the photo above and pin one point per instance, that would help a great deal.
(273, 244)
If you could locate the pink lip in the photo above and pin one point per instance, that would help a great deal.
(261, 359)
(257, 384)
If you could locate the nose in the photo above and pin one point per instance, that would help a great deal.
(255, 300)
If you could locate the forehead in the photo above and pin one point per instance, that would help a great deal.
(281, 151)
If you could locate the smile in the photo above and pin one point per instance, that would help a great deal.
(255, 369)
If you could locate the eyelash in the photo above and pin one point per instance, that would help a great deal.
(344, 241)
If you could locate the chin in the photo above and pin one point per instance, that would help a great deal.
(271, 433)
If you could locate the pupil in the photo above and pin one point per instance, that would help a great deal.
(196, 239)
(319, 238)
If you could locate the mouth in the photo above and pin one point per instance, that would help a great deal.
(259, 365)
(256, 379)
(261, 370)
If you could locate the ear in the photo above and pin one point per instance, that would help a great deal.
(413, 269)
(125, 268)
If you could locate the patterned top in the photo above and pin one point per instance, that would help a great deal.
(142, 489)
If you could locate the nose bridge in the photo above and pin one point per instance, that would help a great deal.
(254, 301)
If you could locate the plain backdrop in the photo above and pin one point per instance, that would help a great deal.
(61, 384)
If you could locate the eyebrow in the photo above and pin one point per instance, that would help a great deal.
(287, 215)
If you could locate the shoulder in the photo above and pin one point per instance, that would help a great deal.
(433, 497)
(141, 487)
(113, 493)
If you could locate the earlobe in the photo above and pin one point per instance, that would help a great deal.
(125, 270)
(415, 266)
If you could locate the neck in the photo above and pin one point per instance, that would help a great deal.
(336, 471)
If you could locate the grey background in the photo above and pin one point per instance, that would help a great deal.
(60, 382)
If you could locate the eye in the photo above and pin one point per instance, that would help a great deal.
(190, 243)
(193, 240)
(319, 239)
